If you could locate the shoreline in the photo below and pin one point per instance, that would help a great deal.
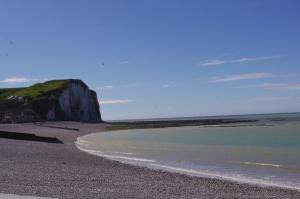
(62, 171)
(188, 172)
(151, 164)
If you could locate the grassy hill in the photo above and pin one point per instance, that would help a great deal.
(34, 99)
(42, 102)
(34, 91)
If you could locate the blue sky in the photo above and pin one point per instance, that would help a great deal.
(154, 58)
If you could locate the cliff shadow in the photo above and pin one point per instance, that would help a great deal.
(28, 137)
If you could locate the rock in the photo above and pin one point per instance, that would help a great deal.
(56, 100)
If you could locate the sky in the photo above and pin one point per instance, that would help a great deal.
(154, 58)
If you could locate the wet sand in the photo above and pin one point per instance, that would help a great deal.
(42, 160)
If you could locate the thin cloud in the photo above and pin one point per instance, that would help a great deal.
(248, 59)
(165, 85)
(215, 62)
(104, 87)
(281, 86)
(15, 80)
(124, 62)
(246, 76)
(115, 101)
(11, 80)
(267, 99)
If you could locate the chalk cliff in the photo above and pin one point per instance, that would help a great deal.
(56, 100)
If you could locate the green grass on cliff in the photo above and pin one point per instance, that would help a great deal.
(33, 91)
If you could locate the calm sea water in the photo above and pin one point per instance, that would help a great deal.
(267, 152)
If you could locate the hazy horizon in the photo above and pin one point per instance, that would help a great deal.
(204, 116)
(154, 59)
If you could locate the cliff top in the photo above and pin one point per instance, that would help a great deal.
(36, 90)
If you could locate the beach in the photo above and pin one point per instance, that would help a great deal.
(41, 159)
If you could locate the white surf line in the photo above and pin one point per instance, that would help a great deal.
(192, 172)
(13, 196)
(124, 153)
(113, 157)
(262, 164)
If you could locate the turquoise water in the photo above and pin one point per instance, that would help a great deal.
(261, 153)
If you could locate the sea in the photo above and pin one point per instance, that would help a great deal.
(265, 152)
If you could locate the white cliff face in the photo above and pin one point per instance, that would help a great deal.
(77, 103)
(73, 101)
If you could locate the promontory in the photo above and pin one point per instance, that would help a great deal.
(55, 100)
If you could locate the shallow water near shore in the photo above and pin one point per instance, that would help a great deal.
(265, 153)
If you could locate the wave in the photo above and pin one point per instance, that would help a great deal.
(262, 164)
(112, 157)
(128, 158)
(124, 153)
(230, 177)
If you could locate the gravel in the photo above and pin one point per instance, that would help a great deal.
(40, 168)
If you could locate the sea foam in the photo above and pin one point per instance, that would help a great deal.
(262, 164)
